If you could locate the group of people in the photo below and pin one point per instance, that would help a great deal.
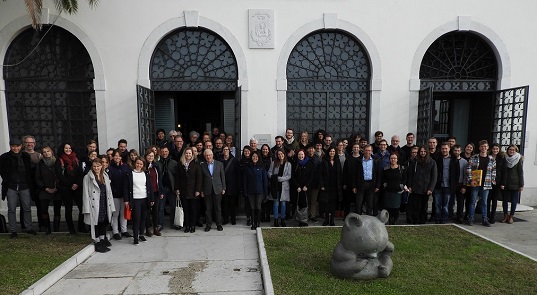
(305, 178)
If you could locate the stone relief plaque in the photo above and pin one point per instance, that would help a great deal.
(261, 28)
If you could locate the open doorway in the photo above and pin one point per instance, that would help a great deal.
(466, 115)
(195, 110)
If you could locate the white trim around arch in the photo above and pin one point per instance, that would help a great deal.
(192, 19)
(330, 21)
(462, 23)
(14, 28)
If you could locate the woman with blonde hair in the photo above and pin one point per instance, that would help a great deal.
(133, 155)
(97, 204)
(47, 185)
(188, 188)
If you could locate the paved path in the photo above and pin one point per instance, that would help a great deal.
(216, 262)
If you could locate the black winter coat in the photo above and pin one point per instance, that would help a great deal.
(422, 176)
(302, 176)
(231, 168)
(120, 180)
(188, 181)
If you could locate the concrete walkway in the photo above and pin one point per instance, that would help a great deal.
(225, 262)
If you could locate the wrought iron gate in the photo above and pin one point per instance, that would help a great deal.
(425, 116)
(328, 85)
(510, 111)
(49, 92)
(146, 117)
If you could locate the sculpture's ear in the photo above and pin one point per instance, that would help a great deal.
(353, 220)
(383, 216)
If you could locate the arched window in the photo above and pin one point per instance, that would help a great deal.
(459, 61)
(193, 60)
(328, 84)
(50, 94)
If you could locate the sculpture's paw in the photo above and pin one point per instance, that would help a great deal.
(383, 271)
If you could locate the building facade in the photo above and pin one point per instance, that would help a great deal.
(128, 67)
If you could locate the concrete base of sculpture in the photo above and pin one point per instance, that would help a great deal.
(364, 251)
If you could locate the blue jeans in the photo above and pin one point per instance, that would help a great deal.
(13, 197)
(282, 209)
(441, 201)
(484, 193)
(510, 196)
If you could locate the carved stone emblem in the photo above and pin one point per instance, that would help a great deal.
(261, 28)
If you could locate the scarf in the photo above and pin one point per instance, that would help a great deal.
(513, 160)
(290, 141)
(49, 161)
(304, 162)
(70, 161)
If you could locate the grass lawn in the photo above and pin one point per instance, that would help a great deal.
(27, 258)
(427, 260)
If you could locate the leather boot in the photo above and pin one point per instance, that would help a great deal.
(56, 224)
(148, 232)
(326, 220)
(510, 220)
(505, 218)
(282, 222)
(331, 218)
(254, 221)
(276, 223)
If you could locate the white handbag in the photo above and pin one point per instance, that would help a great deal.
(179, 213)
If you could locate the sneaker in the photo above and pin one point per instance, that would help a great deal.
(219, 228)
(486, 223)
(470, 223)
(117, 237)
(31, 232)
(142, 238)
(136, 243)
(126, 234)
(13, 235)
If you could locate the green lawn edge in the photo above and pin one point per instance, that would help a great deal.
(427, 260)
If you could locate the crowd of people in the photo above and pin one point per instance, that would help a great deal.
(305, 179)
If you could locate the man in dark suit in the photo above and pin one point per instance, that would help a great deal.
(214, 186)
(366, 182)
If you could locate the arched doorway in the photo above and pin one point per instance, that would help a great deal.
(328, 84)
(194, 75)
(459, 97)
(49, 92)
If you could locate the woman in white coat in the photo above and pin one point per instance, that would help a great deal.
(97, 204)
(280, 174)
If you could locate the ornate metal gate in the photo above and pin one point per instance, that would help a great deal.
(146, 117)
(328, 85)
(193, 60)
(459, 61)
(510, 111)
(425, 116)
(50, 94)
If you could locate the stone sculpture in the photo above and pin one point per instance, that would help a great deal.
(364, 251)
